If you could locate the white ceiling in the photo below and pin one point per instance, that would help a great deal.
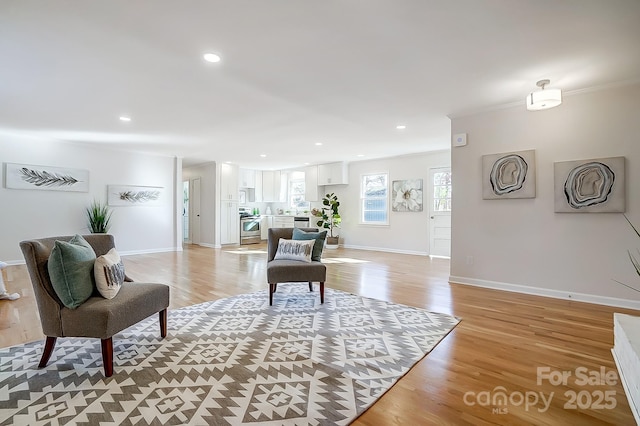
(294, 72)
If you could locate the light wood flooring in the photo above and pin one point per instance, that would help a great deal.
(501, 341)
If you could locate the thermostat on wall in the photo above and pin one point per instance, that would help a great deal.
(460, 139)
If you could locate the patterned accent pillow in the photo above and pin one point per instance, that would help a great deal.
(70, 269)
(109, 273)
(294, 250)
(319, 237)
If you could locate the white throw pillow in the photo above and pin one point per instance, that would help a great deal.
(108, 271)
(294, 250)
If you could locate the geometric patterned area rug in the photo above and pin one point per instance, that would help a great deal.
(235, 361)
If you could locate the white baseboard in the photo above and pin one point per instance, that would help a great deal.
(547, 292)
(215, 246)
(149, 251)
(121, 253)
(387, 250)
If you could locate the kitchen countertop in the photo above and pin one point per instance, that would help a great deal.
(286, 215)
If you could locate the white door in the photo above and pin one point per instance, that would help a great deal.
(195, 211)
(185, 212)
(440, 212)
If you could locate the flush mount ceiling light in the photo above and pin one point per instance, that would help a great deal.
(401, 127)
(211, 57)
(543, 98)
(125, 118)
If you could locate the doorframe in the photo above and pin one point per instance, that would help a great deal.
(195, 218)
(432, 213)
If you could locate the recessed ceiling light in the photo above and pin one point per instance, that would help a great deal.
(360, 155)
(401, 127)
(318, 143)
(211, 57)
(306, 164)
(263, 155)
(228, 162)
(124, 118)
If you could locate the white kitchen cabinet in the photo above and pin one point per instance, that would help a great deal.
(258, 197)
(228, 183)
(229, 223)
(333, 174)
(283, 221)
(272, 187)
(311, 190)
(247, 178)
(266, 222)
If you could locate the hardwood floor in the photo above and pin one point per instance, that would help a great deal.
(502, 340)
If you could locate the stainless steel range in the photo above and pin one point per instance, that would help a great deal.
(249, 227)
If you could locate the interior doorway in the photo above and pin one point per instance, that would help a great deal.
(440, 212)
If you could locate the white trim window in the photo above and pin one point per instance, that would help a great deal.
(297, 192)
(374, 199)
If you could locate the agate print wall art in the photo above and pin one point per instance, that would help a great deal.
(509, 175)
(590, 186)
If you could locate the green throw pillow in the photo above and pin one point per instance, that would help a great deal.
(71, 271)
(299, 234)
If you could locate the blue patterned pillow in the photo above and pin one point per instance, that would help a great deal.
(294, 250)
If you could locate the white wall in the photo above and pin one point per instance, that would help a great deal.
(26, 214)
(408, 232)
(207, 174)
(523, 242)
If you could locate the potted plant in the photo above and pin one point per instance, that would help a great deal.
(635, 261)
(329, 218)
(98, 217)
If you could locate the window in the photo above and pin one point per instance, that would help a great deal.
(296, 192)
(442, 191)
(374, 199)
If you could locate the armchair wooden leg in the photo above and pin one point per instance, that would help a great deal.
(310, 286)
(163, 323)
(49, 344)
(322, 292)
(272, 289)
(107, 356)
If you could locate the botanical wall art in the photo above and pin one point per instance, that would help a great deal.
(509, 175)
(589, 186)
(26, 176)
(129, 195)
(407, 195)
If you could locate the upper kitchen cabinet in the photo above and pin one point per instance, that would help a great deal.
(333, 174)
(228, 182)
(247, 178)
(273, 187)
(311, 190)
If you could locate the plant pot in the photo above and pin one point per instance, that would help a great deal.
(332, 242)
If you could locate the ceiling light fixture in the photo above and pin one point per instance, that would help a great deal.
(318, 143)
(401, 127)
(211, 57)
(263, 155)
(543, 99)
(123, 118)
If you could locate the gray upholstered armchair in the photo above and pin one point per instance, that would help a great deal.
(286, 271)
(97, 317)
